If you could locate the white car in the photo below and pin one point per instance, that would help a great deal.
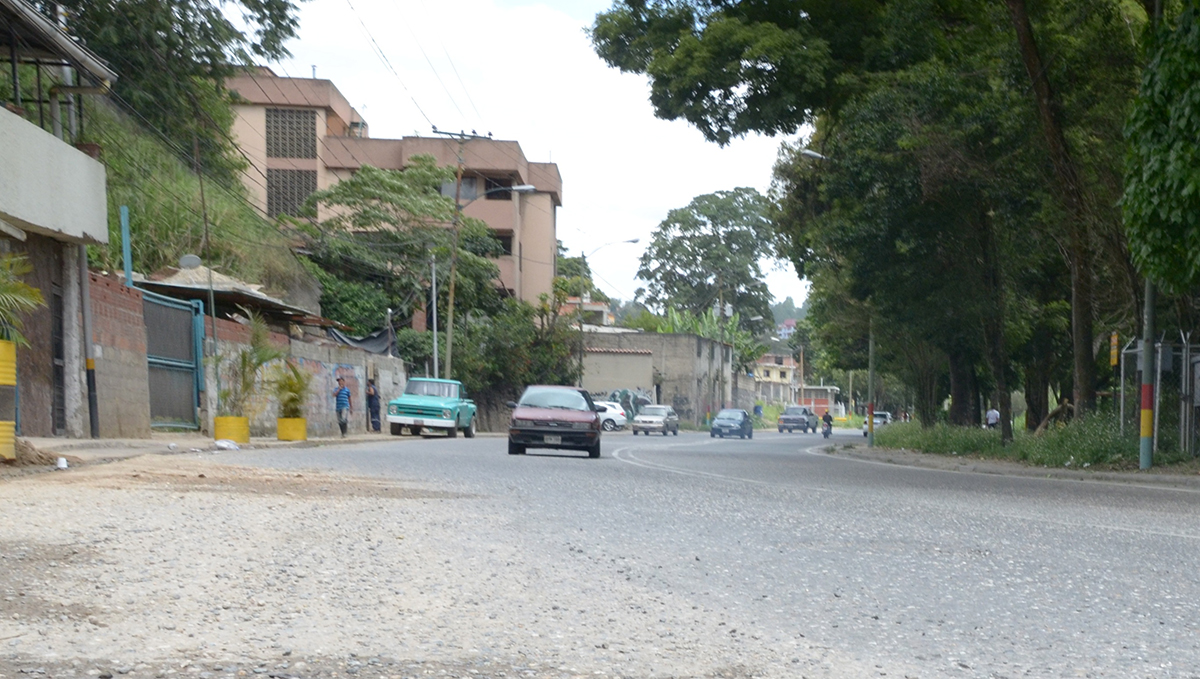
(614, 417)
(881, 418)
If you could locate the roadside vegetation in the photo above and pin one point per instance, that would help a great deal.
(1095, 443)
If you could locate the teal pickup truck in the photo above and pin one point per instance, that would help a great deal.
(429, 404)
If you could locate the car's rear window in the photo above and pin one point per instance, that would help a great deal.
(566, 399)
(655, 411)
(730, 414)
(794, 411)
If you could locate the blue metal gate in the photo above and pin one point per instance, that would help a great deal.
(175, 354)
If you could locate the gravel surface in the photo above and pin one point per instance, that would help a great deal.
(177, 565)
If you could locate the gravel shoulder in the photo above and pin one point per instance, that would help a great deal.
(169, 565)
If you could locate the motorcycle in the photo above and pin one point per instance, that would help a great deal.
(827, 430)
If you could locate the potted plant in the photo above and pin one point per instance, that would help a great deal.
(17, 298)
(237, 398)
(292, 385)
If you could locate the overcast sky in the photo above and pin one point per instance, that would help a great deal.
(526, 71)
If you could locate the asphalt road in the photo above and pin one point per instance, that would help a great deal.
(912, 572)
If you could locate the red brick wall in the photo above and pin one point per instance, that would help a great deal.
(117, 315)
(122, 380)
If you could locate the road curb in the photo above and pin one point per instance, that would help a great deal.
(912, 458)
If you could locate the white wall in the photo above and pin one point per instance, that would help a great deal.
(48, 186)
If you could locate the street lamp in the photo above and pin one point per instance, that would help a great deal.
(458, 209)
(584, 257)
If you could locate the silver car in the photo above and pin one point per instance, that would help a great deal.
(614, 417)
(655, 419)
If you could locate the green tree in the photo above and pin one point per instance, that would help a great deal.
(173, 57)
(1162, 191)
(17, 297)
(709, 253)
(374, 247)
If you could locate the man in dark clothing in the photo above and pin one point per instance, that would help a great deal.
(373, 405)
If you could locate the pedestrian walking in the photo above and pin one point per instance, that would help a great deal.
(993, 418)
(373, 405)
(343, 403)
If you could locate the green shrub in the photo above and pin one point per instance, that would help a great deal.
(1092, 442)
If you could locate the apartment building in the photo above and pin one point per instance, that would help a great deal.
(776, 379)
(301, 134)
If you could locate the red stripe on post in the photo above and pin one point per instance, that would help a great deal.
(1147, 397)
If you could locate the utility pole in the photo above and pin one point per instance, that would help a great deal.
(1146, 448)
(433, 278)
(462, 138)
(871, 385)
(212, 305)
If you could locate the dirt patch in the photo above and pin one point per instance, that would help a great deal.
(198, 474)
(27, 568)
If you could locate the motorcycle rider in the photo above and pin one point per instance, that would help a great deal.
(827, 419)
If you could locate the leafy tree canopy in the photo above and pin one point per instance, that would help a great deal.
(1162, 191)
(172, 56)
(708, 254)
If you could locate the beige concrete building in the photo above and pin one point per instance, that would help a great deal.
(301, 134)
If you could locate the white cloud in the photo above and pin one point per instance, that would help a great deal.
(527, 72)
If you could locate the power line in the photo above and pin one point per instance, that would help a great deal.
(435, 72)
(460, 82)
(387, 63)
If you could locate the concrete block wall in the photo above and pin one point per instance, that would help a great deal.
(689, 372)
(122, 375)
(326, 360)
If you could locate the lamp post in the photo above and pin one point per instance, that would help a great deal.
(584, 257)
(458, 209)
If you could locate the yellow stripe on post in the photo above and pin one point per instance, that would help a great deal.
(8, 400)
(1147, 424)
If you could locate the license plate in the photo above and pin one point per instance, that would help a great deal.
(418, 423)
(549, 438)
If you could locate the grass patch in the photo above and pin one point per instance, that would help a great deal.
(1095, 443)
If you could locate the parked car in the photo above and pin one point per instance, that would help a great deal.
(555, 417)
(655, 419)
(614, 416)
(729, 422)
(881, 418)
(428, 405)
(798, 417)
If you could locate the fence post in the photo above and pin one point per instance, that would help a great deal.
(1157, 390)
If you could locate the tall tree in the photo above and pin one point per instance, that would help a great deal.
(374, 246)
(709, 253)
(173, 56)
(1162, 193)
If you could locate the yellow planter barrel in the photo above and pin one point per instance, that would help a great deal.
(236, 429)
(291, 428)
(8, 400)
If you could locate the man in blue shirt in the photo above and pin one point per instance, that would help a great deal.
(342, 404)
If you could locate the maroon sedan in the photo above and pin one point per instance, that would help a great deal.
(555, 417)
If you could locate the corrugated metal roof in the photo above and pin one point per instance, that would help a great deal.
(38, 38)
(605, 350)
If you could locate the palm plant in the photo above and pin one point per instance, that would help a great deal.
(292, 385)
(17, 297)
(237, 398)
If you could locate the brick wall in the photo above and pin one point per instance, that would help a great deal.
(122, 379)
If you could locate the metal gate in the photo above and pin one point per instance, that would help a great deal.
(174, 351)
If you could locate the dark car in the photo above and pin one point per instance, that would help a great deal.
(730, 422)
(555, 417)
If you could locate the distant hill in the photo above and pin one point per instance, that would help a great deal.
(787, 309)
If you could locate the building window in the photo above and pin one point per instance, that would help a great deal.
(288, 189)
(778, 360)
(291, 133)
(767, 374)
(469, 192)
(496, 184)
(506, 242)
